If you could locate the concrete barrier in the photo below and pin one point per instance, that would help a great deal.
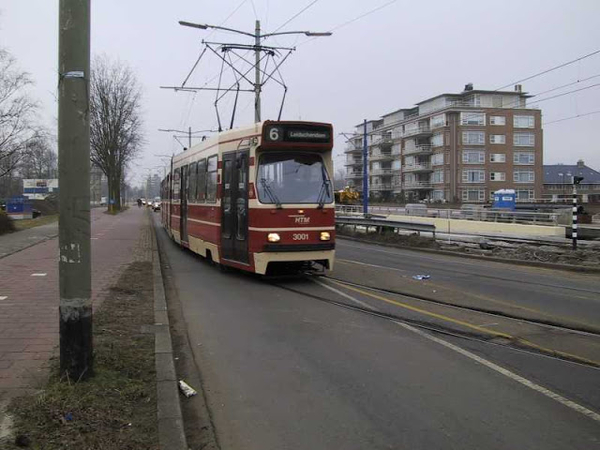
(459, 226)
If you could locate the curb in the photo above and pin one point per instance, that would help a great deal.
(171, 434)
(31, 244)
(516, 262)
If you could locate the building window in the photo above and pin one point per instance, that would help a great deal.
(472, 118)
(438, 121)
(523, 121)
(497, 176)
(473, 176)
(524, 139)
(473, 157)
(524, 176)
(524, 158)
(437, 159)
(497, 157)
(438, 176)
(497, 120)
(438, 194)
(473, 137)
(473, 195)
(525, 195)
(497, 139)
(437, 140)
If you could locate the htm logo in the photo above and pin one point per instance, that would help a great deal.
(303, 220)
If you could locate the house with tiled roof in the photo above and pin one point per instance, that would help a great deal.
(558, 183)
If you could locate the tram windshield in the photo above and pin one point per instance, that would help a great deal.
(293, 178)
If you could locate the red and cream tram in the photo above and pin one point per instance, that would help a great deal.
(258, 198)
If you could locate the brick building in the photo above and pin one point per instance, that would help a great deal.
(452, 147)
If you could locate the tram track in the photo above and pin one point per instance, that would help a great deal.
(487, 311)
(441, 268)
(490, 337)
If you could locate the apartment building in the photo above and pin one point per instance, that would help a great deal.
(452, 148)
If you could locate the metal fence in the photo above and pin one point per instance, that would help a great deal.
(483, 215)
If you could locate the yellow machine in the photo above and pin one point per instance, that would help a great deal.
(347, 196)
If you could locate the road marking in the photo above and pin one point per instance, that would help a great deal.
(507, 373)
(423, 311)
(471, 294)
(490, 365)
(343, 294)
(39, 274)
(3, 297)
(93, 239)
(475, 327)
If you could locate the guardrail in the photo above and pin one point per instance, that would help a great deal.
(483, 215)
(381, 223)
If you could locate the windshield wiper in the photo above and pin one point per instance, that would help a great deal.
(323, 194)
(272, 196)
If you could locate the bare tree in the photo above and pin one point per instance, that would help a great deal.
(115, 122)
(17, 113)
(39, 159)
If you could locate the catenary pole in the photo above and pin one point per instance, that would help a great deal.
(365, 170)
(75, 308)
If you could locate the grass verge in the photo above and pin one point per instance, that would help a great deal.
(30, 223)
(115, 409)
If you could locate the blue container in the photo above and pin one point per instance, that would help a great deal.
(18, 207)
(505, 199)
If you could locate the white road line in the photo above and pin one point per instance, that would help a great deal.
(39, 274)
(351, 261)
(3, 297)
(490, 365)
(343, 294)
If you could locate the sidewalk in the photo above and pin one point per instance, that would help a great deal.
(29, 296)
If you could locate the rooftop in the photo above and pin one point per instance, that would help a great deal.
(562, 173)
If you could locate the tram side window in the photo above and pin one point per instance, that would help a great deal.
(176, 184)
(193, 177)
(211, 179)
(201, 180)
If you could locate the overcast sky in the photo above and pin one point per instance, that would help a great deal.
(401, 54)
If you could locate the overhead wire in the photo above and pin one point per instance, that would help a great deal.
(572, 117)
(560, 66)
(295, 15)
(352, 20)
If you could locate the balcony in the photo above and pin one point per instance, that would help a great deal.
(384, 142)
(421, 167)
(353, 162)
(381, 172)
(421, 130)
(419, 149)
(354, 175)
(417, 185)
(381, 187)
(381, 157)
(351, 148)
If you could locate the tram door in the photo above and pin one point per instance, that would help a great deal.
(234, 207)
(184, 203)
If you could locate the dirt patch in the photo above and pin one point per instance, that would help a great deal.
(403, 240)
(115, 409)
(30, 223)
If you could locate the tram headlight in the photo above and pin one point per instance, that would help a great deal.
(325, 236)
(273, 237)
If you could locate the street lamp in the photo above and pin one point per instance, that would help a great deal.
(257, 49)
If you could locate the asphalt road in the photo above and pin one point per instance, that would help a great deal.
(283, 370)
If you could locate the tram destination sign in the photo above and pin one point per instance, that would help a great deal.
(296, 133)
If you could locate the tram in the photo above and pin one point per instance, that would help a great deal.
(258, 198)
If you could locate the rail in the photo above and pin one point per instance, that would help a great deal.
(382, 223)
(483, 215)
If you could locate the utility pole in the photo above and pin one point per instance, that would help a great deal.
(75, 310)
(257, 47)
(365, 171)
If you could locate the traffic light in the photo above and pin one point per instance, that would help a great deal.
(577, 180)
